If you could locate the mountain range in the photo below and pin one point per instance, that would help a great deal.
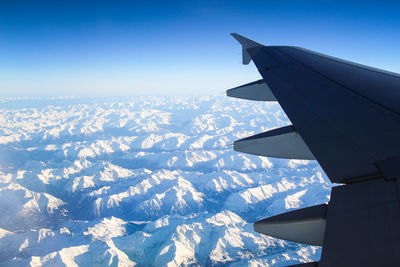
(145, 181)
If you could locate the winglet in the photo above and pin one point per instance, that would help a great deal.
(246, 44)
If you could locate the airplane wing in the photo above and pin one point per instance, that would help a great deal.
(347, 117)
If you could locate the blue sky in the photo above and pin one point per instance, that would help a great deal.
(127, 48)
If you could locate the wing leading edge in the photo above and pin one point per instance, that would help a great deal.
(348, 116)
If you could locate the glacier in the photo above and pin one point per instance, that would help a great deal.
(145, 181)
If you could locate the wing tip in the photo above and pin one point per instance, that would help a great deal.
(246, 44)
(244, 41)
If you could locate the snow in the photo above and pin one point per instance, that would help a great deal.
(146, 181)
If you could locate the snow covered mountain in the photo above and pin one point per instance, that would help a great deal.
(147, 181)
